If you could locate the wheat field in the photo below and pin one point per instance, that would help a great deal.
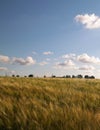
(49, 104)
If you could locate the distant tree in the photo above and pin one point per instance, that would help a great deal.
(89, 77)
(86, 77)
(79, 76)
(68, 76)
(17, 76)
(13, 75)
(25, 76)
(92, 77)
(44, 76)
(31, 75)
(73, 76)
(53, 76)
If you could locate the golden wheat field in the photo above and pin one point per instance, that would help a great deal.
(49, 104)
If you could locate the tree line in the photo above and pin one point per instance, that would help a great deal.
(67, 76)
(77, 76)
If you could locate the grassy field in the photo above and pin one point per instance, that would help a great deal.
(49, 104)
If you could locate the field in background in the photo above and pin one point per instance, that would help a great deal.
(49, 104)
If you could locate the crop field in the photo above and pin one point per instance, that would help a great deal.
(49, 104)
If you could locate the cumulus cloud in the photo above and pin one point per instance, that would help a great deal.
(91, 21)
(43, 63)
(48, 53)
(69, 56)
(4, 59)
(65, 64)
(28, 61)
(87, 67)
(3, 69)
(85, 58)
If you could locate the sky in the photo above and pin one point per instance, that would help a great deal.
(50, 37)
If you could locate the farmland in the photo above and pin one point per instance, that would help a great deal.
(49, 104)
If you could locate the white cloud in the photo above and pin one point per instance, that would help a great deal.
(48, 53)
(87, 67)
(43, 63)
(69, 56)
(3, 69)
(84, 58)
(65, 64)
(4, 59)
(88, 59)
(91, 21)
(28, 61)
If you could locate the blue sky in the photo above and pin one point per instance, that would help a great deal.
(46, 37)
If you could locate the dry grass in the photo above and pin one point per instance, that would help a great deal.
(49, 104)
